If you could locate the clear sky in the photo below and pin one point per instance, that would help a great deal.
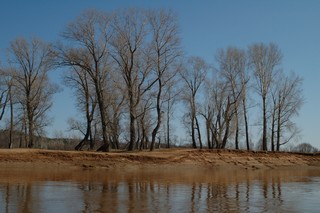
(205, 26)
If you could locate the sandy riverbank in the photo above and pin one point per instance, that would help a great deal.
(173, 158)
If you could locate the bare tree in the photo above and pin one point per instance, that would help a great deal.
(219, 111)
(193, 75)
(4, 91)
(115, 108)
(131, 52)
(274, 97)
(144, 122)
(79, 80)
(232, 63)
(245, 93)
(207, 112)
(6, 98)
(287, 101)
(213, 112)
(31, 62)
(11, 130)
(165, 50)
(305, 148)
(90, 34)
(264, 60)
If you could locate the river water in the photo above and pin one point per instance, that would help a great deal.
(151, 190)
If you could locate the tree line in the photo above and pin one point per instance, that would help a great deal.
(128, 71)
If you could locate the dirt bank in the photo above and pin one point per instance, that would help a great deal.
(180, 158)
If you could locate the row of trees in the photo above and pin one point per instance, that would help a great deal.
(128, 71)
(241, 74)
(26, 88)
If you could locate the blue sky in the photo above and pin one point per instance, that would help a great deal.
(205, 26)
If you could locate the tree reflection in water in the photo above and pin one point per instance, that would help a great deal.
(147, 193)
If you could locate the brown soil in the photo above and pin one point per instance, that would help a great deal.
(166, 158)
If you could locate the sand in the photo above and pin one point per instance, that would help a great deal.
(164, 158)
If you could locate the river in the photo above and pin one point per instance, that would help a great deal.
(150, 190)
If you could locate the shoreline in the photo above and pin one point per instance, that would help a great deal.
(163, 158)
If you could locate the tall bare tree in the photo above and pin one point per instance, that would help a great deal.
(90, 35)
(264, 60)
(219, 110)
(145, 122)
(287, 101)
(31, 61)
(232, 63)
(215, 113)
(245, 93)
(4, 90)
(165, 50)
(115, 108)
(131, 51)
(11, 129)
(193, 75)
(79, 80)
(6, 98)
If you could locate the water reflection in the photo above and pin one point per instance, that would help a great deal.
(155, 191)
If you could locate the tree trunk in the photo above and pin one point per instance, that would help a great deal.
(155, 130)
(106, 143)
(25, 133)
(132, 110)
(142, 143)
(30, 133)
(11, 118)
(208, 133)
(272, 130)
(227, 120)
(278, 128)
(91, 139)
(193, 120)
(246, 124)
(116, 131)
(84, 141)
(154, 134)
(199, 133)
(88, 135)
(132, 131)
(214, 143)
(236, 139)
(194, 144)
(81, 144)
(226, 133)
(264, 133)
(139, 135)
(146, 142)
(168, 124)
(237, 134)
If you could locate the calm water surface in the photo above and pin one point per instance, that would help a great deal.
(168, 190)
